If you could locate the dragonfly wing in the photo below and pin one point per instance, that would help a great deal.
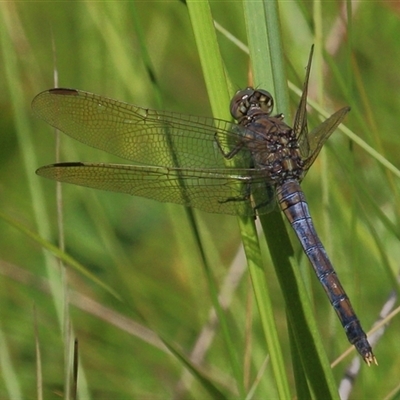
(142, 135)
(225, 191)
(300, 120)
(310, 144)
(318, 136)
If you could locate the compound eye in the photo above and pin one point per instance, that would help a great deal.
(251, 98)
(240, 103)
(266, 101)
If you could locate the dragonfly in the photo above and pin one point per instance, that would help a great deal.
(217, 166)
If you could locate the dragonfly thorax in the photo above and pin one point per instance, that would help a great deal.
(273, 146)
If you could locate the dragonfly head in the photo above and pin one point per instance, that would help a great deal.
(251, 99)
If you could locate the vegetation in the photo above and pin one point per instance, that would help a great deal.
(136, 288)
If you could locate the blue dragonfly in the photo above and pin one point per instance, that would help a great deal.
(206, 163)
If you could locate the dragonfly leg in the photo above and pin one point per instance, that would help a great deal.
(230, 154)
(244, 197)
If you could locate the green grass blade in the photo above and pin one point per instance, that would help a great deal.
(303, 324)
(272, 18)
(9, 373)
(218, 89)
(56, 251)
(206, 383)
(25, 139)
(212, 66)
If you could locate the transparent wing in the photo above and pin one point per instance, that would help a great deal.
(318, 136)
(300, 120)
(142, 135)
(310, 144)
(226, 191)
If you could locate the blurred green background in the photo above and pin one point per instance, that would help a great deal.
(146, 251)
